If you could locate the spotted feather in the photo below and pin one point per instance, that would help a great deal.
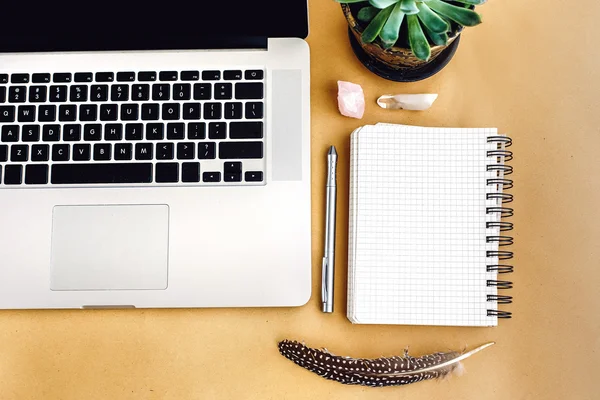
(384, 371)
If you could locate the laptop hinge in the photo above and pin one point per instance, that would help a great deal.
(231, 43)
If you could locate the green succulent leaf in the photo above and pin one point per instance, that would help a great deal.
(462, 16)
(382, 3)
(372, 30)
(473, 2)
(366, 14)
(391, 29)
(418, 42)
(431, 20)
(439, 39)
(409, 7)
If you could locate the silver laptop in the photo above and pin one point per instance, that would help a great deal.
(155, 157)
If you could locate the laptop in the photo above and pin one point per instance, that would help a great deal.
(155, 157)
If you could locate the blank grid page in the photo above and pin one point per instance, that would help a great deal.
(418, 233)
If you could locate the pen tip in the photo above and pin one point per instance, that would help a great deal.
(332, 151)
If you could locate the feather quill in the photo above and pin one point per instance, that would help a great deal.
(384, 371)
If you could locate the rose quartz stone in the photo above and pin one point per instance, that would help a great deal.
(351, 99)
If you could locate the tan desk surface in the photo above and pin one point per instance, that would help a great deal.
(531, 70)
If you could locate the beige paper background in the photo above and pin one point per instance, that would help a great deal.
(532, 70)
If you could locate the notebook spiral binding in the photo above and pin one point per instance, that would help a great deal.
(497, 199)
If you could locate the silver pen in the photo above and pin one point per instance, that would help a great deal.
(328, 267)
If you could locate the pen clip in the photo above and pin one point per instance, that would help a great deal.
(324, 267)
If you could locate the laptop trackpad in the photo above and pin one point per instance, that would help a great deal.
(109, 247)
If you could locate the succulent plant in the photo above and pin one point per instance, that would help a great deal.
(428, 22)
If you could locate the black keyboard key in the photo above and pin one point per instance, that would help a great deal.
(182, 91)
(161, 92)
(13, 175)
(105, 76)
(92, 132)
(40, 78)
(232, 167)
(36, 174)
(101, 173)
(113, 132)
(31, 133)
(3, 78)
(62, 77)
(170, 111)
(51, 133)
(190, 172)
(125, 76)
(40, 152)
(72, 133)
(167, 172)
(3, 152)
(254, 110)
(206, 150)
(88, 112)
(140, 92)
(19, 78)
(47, 113)
(147, 76)
(168, 75)
(82, 152)
(17, 94)
(134, 132)
(144, 151)
(211, 75)
(232, 75)
(67, 112)
(58, 94)
(191, 111)
(223, 91)
(19, 153)
(79, 93)
(26, 114)
(38, 94)
(217, 130)
(108, 112)
(202, 91)
(253, 176)
(10, 133)
(233, 111)
(211, 177)
(185, 151)
(155, 131)
(248, 91)
(99, 93)
(212, 110)
(102, 152)
(3, 94)
(190, 75)
(165, 151)
(123, 151)
(119, 93)
(240, 150)
(60, 152)
(7, 113)
(232, 177)
(175, 131)
(246, 130)
(196, 130)
(130, 112)
(253, 74)
(84, 77)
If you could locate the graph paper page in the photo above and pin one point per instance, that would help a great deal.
(418, 226)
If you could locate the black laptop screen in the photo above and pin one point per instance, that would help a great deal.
(148, 25)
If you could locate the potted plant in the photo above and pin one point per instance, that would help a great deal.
(407, 40)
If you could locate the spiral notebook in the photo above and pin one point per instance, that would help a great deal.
(427, 233)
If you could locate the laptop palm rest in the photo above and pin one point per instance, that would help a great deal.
(120, 247)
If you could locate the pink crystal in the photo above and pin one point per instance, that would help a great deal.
(351, 99)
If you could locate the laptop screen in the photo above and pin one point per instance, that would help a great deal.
(148, 25)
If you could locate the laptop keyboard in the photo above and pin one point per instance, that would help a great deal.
(121, 128)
